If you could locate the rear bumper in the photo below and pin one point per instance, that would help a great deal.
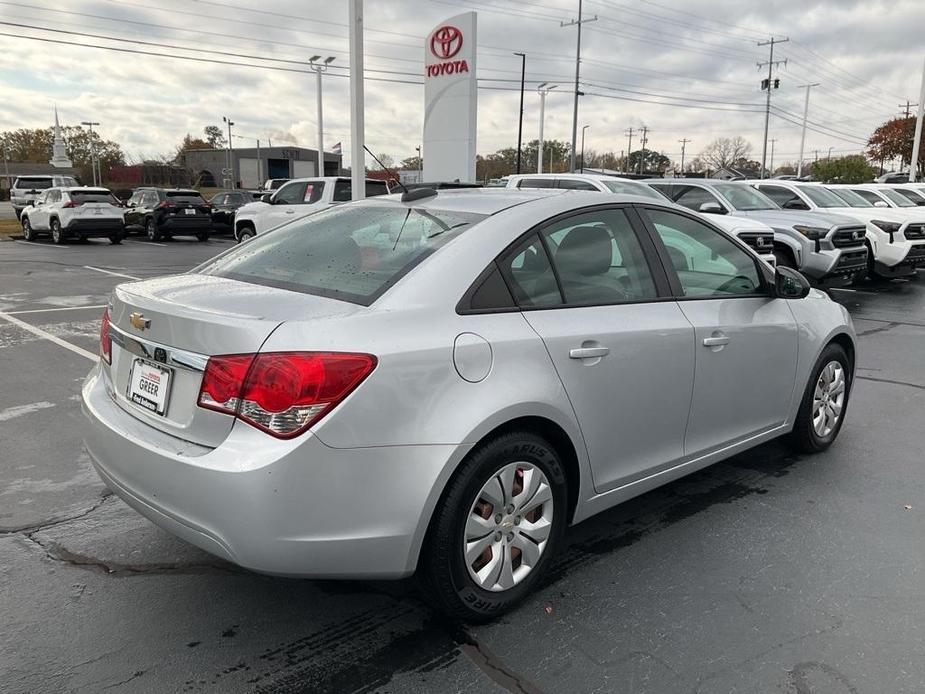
(294, 508)
(94, 227)
(189, 225)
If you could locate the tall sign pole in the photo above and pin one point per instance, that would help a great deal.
(576, 23)
(357, 102)
(319, 68)
(542, 90)
(520, 121)
(917, 142)
(803, 132)
(771, 63)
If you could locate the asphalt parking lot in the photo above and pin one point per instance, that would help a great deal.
(770, 572)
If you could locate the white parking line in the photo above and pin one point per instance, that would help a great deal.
(48, 336)
(110, 272)
(46, 310)
(43, 245)
(145, 243)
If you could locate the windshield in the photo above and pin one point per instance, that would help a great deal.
(913, 195)
(850, 197)
(628, 188)
(353, 253)
(822, 197)
(896, 198)
(745, 198)
(27, 183)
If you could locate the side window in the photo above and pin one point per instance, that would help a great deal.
(599, 259)
(291, 193)
(692, 197)
(868, 195)
(343, 191)
(536, 183)
(531, 276)
(782, 196)
(54, 196)
(135, 199)
(706, 262)
(573, 184)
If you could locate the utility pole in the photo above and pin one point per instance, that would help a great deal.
(319, 68)
(90, 125)
(577, 23)
(520, 122)
(583, 128)
(917, 140)
(642, 154)
(357, 101)
(907, 108)
(542, 90)
(683, 146)
(771, 163)
(230, 154)
(803, 132)
(771, 63)
(629, 149)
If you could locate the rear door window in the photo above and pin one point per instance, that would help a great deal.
(575, 184)
(352, 253)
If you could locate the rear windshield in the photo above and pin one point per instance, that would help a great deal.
(82, 196)
(185, 196)
(27, 183)
(850, 197)
(353, 253)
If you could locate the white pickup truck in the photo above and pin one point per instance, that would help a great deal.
(296, 199)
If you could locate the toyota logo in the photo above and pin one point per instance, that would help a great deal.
(854, 236)
(446, 42)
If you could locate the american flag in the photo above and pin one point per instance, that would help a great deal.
(336, 148)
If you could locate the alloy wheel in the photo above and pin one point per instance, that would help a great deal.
(508, 526)
(828, 398)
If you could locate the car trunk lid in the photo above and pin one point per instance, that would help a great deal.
(164, 330)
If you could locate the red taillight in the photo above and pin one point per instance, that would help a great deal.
(69, 204)
(167, 205)
(105, 340)
(282, 393)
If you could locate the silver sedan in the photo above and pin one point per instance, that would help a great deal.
(442, 383)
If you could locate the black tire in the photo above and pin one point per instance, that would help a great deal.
(18, 214)
(115, 239)
(442, 567)
(203, 237)
(151, 230)
(804, 436)
(57, 234)
(246, 233)
(27, 233)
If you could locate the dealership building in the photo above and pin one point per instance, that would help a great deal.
(252, 165)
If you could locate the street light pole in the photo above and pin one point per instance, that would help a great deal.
(90, 125)
(917, 139)
(542, 90)
(583, 128)
(234, 179)
(803, 132)
(318, 69)
(520, 123)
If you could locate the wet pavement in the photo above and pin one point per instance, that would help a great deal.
(770, 572)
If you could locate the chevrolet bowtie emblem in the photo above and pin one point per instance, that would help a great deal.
(139, 322)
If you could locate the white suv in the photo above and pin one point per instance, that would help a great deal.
(757, 236)
(28, 188)
(74, 212)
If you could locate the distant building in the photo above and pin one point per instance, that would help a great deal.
(252, 166)
(59, 158)
(730, 173)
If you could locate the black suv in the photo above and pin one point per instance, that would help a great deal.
(224, 205)
(164, 212)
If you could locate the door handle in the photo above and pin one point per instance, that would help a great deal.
(588, 352)
(290, 211)
(716, 341)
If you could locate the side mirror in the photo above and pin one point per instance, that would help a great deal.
(267, 198)
(880, 203)
(711, 208)
(795, 204)
(32, 203)
(789, 284)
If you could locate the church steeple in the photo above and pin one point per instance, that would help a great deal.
(58, 151)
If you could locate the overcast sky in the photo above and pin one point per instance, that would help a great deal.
(866, 54)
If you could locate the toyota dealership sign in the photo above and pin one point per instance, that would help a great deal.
(450, 100)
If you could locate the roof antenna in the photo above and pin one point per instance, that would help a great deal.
(407, 195)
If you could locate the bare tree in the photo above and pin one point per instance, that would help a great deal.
(725, 151)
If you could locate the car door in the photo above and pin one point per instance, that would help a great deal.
(38, 214)
(290, 202)
(131, 210)
(745, 339)
(591, 287)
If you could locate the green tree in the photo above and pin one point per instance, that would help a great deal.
(652, 161)
(850, 169)
(34, 145)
